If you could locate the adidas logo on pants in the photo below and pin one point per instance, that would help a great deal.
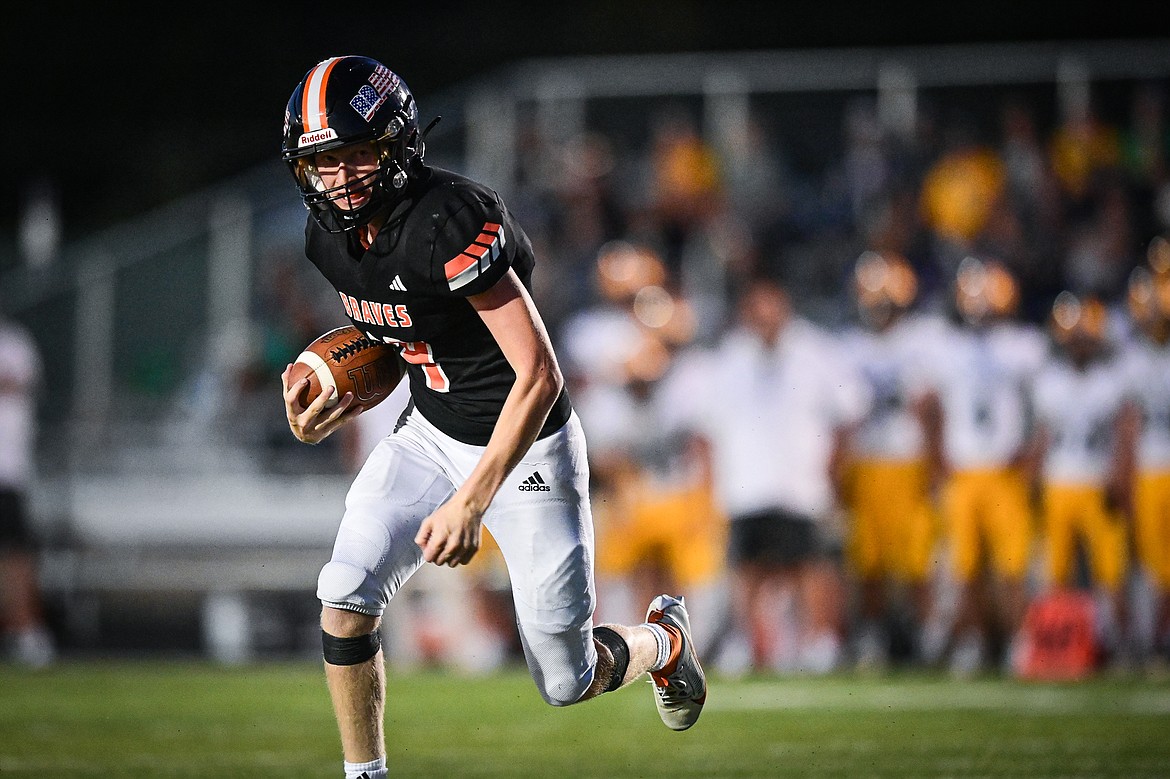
(534, 484)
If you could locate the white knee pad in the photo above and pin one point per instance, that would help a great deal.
(348, 586)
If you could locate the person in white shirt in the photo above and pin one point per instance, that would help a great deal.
(779, 404)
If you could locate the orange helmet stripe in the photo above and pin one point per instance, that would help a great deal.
(313, 99)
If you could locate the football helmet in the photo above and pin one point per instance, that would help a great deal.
(1079, 325)
(884, 285)
(1158, 255)
(623, 269)
(343, 101)
(985, 290)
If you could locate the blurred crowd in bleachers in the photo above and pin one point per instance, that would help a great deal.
(841, 411)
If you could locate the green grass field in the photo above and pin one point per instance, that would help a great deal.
(190, 719)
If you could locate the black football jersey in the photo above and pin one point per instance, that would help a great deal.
(449, 238)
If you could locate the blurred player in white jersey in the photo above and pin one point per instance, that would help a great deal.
(888, 490)
(657, 522)
(1086, 457)
(1147, 370)
(979, 380)
(780, 402)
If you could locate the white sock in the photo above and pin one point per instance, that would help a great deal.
(663, 640)
(375, 769)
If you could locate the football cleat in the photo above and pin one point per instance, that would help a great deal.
(680, 689)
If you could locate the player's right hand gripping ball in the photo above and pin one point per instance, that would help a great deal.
(346, 359)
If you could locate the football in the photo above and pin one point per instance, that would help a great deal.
(346, 359)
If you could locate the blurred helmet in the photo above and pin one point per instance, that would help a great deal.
(1148, 300)
(349, 100)
(624, 269)
(670, 317)
(985, 290)
(885, 285)
(1158, 255)
(1079, 324)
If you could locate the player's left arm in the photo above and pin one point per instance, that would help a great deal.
(450, 536)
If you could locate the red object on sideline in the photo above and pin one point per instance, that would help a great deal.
(1060, 637)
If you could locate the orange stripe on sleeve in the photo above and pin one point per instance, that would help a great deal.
(457, 265)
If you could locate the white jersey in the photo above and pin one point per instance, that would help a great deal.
(771, 413)
(894, 365)
(20, 371)
(1078, 408)
(1146, 372)
(982, 378)
(648, 425)
(597, 342)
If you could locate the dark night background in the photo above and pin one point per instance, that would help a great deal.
(125, 111)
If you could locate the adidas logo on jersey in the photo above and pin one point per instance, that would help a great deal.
(534, 484)
(397, 284)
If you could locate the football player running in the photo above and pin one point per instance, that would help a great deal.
(434, 263)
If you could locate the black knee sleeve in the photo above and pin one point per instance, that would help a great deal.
(621, 654)
(350, 651)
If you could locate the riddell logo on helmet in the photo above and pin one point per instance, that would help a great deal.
(317, 136)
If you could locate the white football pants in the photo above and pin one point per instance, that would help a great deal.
(540, 518)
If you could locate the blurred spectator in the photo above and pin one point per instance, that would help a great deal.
(684, 214)
(580, 211)
(1025, 227)
(979, 374)
(1145, 143)
(1082, 149)
(779, 407)
(686, 183)
(290, 311)
(1024, 156)
(759, 185)
(22, 615)
(1100, 254)
(892, 526)
(960, 191)
(1085, 444)
(868, 169)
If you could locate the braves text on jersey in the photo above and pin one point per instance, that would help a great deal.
(448, 239)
